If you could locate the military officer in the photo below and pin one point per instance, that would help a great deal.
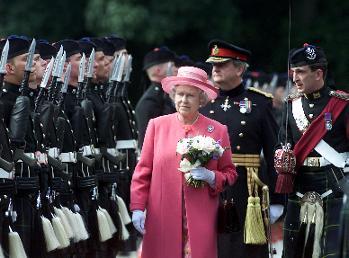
(154, 102)
(317, 132)
(252, 128)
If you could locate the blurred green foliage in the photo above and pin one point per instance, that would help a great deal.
(186, 26)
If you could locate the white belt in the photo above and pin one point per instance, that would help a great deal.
(53, 152)
(67, 157)
(88, 150)
(28, 154)
(114, 152)
(7, 175)
(322, 161)
(126, 144)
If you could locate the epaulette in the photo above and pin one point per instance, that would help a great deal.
(339, 94)
(293, 96)
(266, 94)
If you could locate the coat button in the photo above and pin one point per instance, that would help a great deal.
(241, 135)
(238, 147)
(311, 105)
(311, 116)
(243, 122)
(211, 111)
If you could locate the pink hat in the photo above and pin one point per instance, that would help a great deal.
(193, 76)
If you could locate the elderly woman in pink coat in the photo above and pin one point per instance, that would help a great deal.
(176, 219)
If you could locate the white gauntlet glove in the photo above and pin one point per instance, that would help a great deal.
(138, 219)
(203, 174)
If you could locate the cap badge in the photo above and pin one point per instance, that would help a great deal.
(215, 50)
(310, 53)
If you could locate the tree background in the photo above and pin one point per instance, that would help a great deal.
(186, 26)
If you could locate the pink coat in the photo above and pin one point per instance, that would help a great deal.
(158, 186)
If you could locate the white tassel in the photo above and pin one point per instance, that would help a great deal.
(60, 233)
(73, 223)
(110, 221)
(104, 231)
(123, 211)
(16, 245)
(319, 223)
(81, 225)
(124, 232)
(1, 253)
(60, 214)
(50, 237)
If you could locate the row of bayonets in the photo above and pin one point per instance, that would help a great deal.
(121, 70)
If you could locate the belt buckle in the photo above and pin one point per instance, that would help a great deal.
(313, 162)
(312, 197)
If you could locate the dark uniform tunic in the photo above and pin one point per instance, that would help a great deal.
(154, 102)
(316, 178)
(250, 133)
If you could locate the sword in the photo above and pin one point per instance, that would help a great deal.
(27, 69)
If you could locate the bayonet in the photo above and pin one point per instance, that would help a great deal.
(56, 63)
(47, 73)
(64, 88)
(3, 62)
(91, 62)
(3, 59)
(27, 69)
(116, 69)
(43, 83)
(121, 68)
(82, 67)
(30, 57)
(66, 79)
(61, 66)
(128, 69)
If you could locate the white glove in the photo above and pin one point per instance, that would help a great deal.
(276, 210)
(138, 219)
(203, 174)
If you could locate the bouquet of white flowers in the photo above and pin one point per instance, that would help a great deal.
(197, 152)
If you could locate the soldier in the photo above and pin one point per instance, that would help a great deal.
(316, 127)
(252, 128)
(154, 102)
(23, 139)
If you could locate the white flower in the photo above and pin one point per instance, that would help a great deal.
(220, 150)
(185, 166)
(183, 146)
(197, 142)
(208, 144)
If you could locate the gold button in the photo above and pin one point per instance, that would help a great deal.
(241, 135)
(243, 122)
(238, 147)
(211, 112)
